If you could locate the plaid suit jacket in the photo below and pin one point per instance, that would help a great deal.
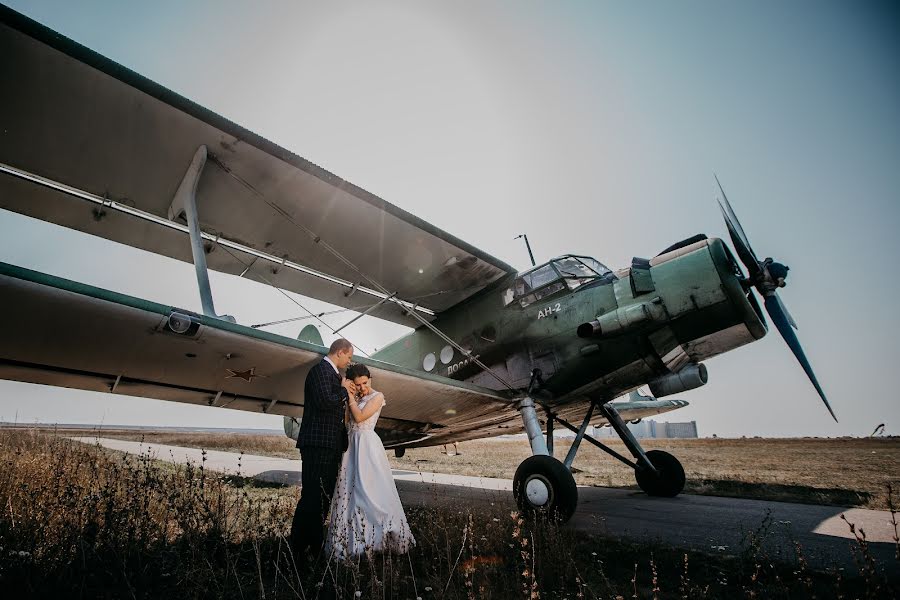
(323, 408)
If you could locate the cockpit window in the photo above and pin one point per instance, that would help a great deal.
(573, 267)
(567, 272)
(595, 265)
(540, 277)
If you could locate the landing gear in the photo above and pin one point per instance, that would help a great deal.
(667, 481)
(658, 473)
(544, 486)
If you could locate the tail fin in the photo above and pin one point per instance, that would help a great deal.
(636, 396)
(311, 335)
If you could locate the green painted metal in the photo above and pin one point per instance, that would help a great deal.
(696, 296)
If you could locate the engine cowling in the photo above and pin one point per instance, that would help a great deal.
(690, 377)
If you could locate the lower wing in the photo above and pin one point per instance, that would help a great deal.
(63, 333)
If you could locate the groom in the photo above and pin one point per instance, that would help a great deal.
(321, 445)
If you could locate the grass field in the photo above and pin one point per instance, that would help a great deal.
(77, 520)
(842, 471)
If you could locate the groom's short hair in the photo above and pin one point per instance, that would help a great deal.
(340, 345)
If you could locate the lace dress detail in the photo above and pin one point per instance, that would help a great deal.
(366, 513)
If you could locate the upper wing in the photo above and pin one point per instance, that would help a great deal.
(90, 145)
(62, 333)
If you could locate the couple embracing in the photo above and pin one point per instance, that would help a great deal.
(344, 469)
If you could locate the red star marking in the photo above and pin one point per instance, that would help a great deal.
(247, 375)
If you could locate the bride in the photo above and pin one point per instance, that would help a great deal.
(366, 514)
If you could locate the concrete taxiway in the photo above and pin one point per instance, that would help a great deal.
(706, 523)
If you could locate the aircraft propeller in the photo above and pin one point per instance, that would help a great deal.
(767, 276)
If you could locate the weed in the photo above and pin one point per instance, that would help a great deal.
(78, 520)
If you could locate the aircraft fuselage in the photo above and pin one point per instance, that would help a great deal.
(651, 320)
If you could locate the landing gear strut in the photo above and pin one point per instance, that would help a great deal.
(542, 485)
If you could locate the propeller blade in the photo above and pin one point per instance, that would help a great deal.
(782, 322)
(745, 255)
(733, 216)
(738, 236)
(785, 310)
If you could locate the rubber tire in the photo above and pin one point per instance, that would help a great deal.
(671, 478)
(563, 491)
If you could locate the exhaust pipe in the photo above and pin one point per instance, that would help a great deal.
(624, 319)
(688, 378)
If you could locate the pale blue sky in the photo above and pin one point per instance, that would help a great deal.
(593, 127)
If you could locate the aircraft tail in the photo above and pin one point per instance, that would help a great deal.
(311, 335)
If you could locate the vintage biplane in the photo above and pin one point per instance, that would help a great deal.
(89, 145)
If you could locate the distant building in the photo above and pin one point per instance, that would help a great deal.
(679, 430)
(648, 428)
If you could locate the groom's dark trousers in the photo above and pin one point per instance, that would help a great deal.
(321, 447)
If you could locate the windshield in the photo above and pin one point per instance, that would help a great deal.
(594, 265)
(573, 267)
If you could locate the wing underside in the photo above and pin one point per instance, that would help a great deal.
(89, 145)
(62, 333)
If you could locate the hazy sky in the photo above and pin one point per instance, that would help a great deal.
(593, 127)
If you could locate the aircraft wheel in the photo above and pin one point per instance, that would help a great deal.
(399, 452)
(544, 486)
(670, 480)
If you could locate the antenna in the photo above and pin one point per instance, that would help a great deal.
(527, 245)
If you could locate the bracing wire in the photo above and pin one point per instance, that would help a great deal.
(342, 310)
(347, 262)
(294, 300)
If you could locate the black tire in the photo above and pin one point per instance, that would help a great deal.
(399, 452)
(560, 485)
(670, 480)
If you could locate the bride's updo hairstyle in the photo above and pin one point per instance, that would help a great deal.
(357, 370)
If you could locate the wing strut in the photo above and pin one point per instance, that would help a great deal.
(185, 203)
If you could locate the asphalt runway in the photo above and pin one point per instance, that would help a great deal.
(706, 523)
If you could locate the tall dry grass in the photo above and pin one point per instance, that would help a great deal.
(80, 521)
(806, 470)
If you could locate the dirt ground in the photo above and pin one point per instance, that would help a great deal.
(841, 471)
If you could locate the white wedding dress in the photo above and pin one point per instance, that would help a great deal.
(366, 513)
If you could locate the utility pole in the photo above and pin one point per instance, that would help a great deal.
(527, 245)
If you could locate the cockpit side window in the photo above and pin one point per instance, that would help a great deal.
(545, 291)
(540, 277)
(523, 287)
(569, 272)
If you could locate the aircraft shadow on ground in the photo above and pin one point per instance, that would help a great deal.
(778, 492)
